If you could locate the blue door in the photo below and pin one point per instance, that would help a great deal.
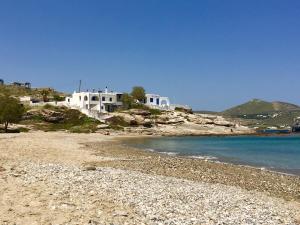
(157, 101)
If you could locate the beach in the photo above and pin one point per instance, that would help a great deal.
(63, 178)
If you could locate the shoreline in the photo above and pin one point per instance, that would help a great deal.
(239, 173)
(215, 159)
(65, 178)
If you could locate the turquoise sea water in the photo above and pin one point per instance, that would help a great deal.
(280, 153)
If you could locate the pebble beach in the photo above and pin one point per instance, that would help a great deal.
(61, 178)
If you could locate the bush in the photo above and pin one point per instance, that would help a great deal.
(117, 121)
(180, 109)
(155, 111)
(127, 101)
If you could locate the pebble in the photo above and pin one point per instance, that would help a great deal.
(152, 199)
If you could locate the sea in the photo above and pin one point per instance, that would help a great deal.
(277, 153)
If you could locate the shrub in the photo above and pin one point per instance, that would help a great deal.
(127, 101)
(11, 111)
(155, 111)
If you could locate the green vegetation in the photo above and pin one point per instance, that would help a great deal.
(117, 123)
(58, 98)
(11, 111)
(67, 119)
(138, 93)
(127, 101)
(155, 112)
(16, 91)
(44, 93)
(135, 99)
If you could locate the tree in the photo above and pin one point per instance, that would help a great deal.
(138, 93)
(11, 111)
(45, 94)
(127, 101)
(58, 98)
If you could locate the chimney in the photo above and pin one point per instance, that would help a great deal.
(106, 90)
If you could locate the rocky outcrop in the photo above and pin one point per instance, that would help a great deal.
(177, 123)
(52, 116)
(45, 114)
(141, 112)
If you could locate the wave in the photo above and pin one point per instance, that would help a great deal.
(166, 153)
(203, 157)
(170, 153)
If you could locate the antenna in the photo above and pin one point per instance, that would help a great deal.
(79, 86)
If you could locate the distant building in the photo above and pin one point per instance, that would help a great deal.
(157, 101)
(1, 82)
(96, 101)
(25, 85)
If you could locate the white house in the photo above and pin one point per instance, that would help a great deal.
(95, 101)
(157, 101)
(108, 101)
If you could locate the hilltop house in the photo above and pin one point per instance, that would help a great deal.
(95, 101)
(157, 101)
(1, 82)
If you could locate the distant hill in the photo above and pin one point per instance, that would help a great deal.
(257, 106)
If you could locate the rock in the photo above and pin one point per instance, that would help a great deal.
(102, 126)
(140, 120)
(165, 119)
(2, 169)
(120, 213)
(47, 115)
(90, 168)
(52, 116)
(223, 123)
(141, 112)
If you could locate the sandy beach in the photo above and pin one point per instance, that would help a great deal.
(62, 178)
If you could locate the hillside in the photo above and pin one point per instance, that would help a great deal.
(263, 114)
(257, 106)
(16, 91)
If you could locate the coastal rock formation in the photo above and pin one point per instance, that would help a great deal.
(178, 123)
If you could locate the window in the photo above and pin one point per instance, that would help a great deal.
(103, 99)
(110, 99)
(85, 98)
(119, 97)
(151, 99)
(95, 98)
(79, 98)
(157, 101)
(68, 100)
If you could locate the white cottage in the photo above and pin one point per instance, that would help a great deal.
(157, 101)
(97, 101)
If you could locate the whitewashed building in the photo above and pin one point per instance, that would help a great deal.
(157, 101)
(108, 101)
(95, 101)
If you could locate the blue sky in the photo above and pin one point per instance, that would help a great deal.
(209, 54)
